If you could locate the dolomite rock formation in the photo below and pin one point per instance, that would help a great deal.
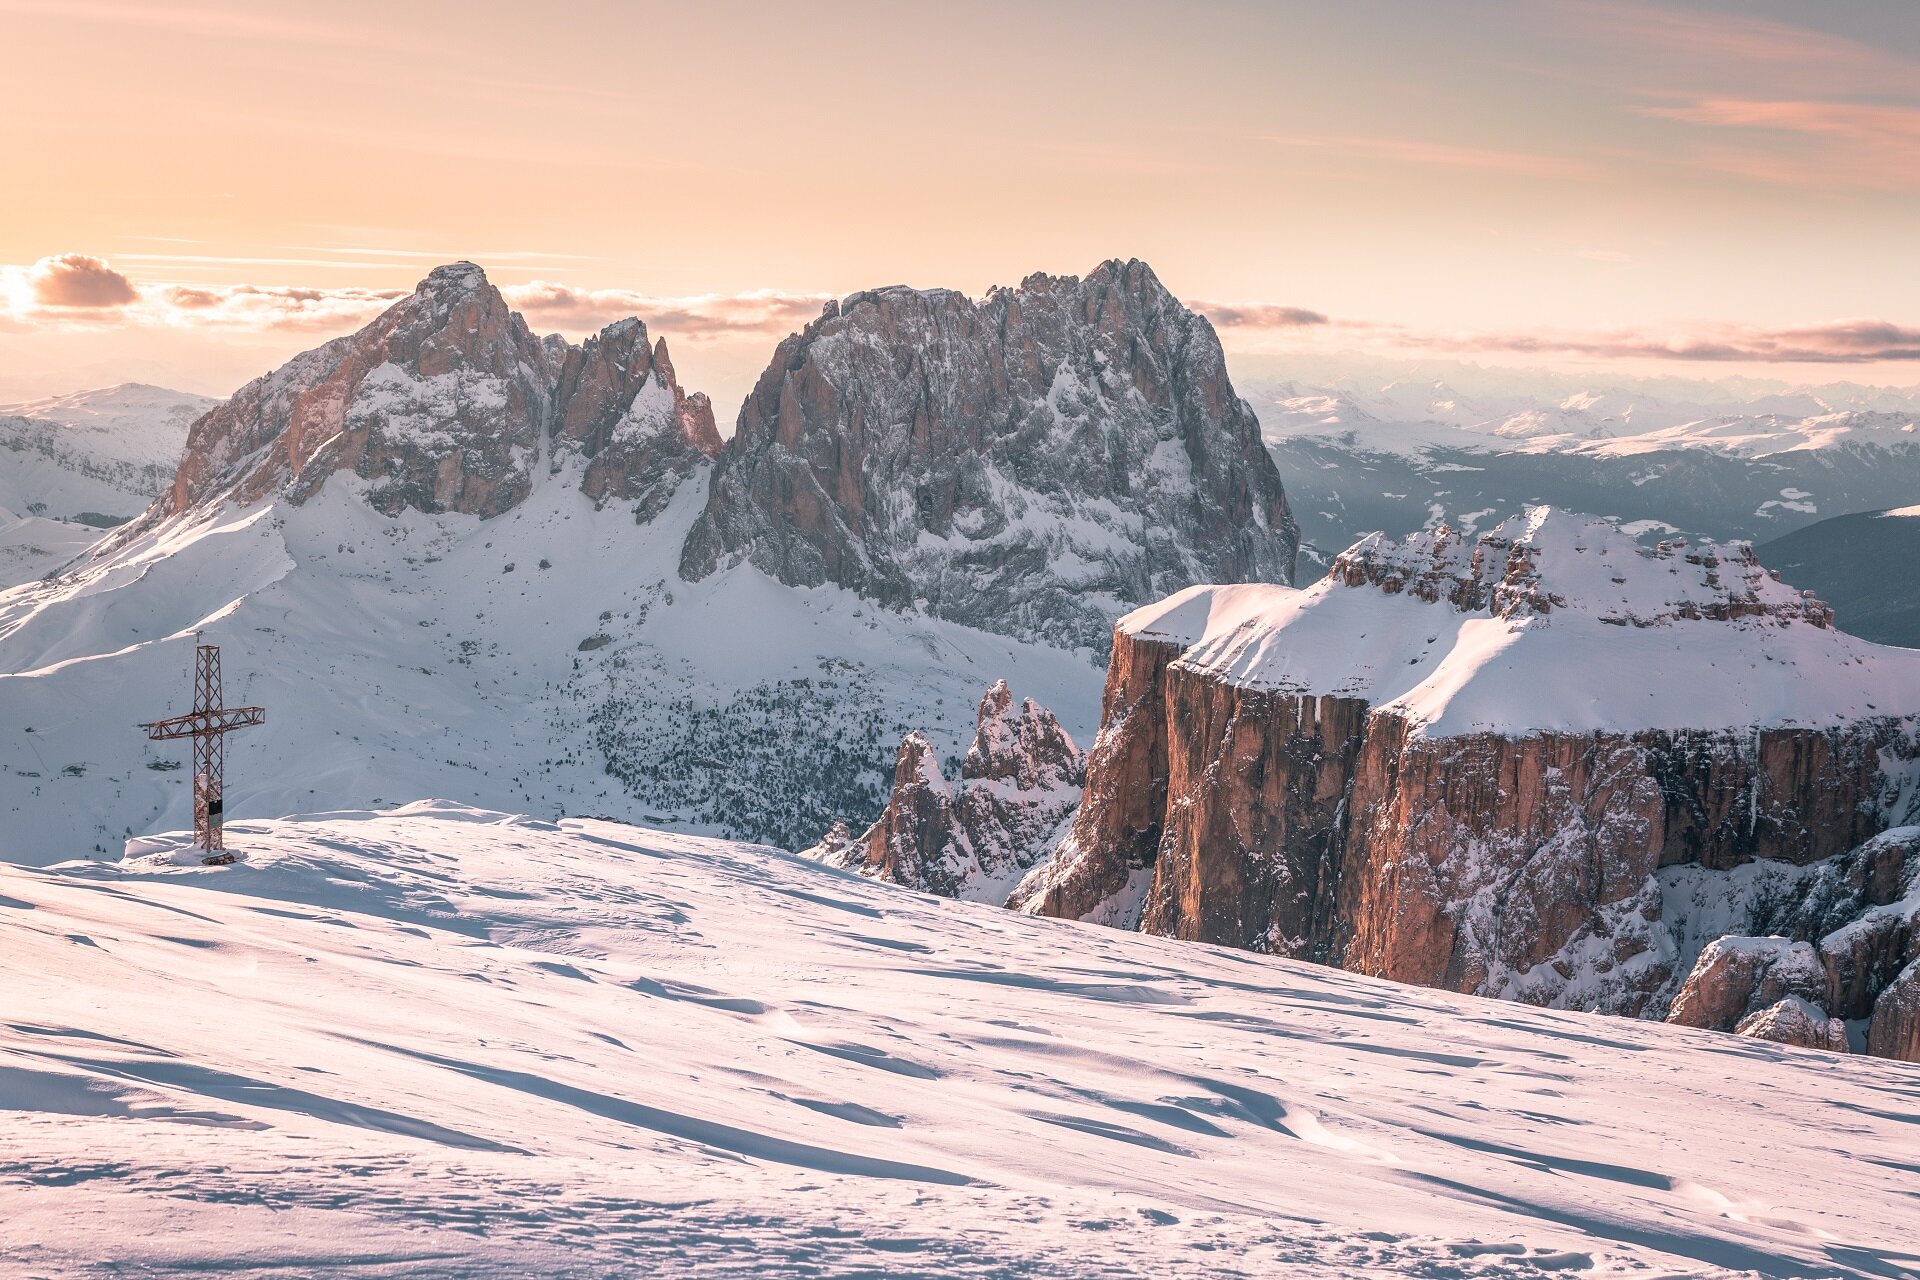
(1019, 781)
(1834, 938)
(620, 407)
(1526, 765)
(1030, 463)
(448, 402)
(1894, 1031)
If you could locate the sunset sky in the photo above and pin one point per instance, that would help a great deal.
(196, 191)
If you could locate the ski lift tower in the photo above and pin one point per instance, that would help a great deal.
(208, 725)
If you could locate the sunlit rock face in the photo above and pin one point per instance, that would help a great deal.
(975, 838)
(1033, 463)
(1546, 764)
(448, 402)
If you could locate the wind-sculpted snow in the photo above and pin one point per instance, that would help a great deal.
(1032, 463)
(455, 1043)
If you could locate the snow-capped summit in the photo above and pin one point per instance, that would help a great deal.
(448, 402)
(1547, 560)
(1031, 462)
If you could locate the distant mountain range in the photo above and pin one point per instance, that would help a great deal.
(1401, 456)
(1866, 565)
(73, 465)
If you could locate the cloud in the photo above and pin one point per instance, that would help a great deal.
(1227, 315)
(768, 312)
(264, 307)
(78, 282)
(1737, 48)
(1808, 144)
(1840, 342)
(76, 289)
(1835, 342)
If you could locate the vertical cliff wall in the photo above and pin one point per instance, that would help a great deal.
(1275, 779)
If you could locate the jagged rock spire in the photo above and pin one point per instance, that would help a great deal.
(1019, 782)
(446, 402)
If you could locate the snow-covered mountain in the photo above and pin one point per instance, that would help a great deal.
(448, 403)
(442, 1042)
(1362, 456)
(446, 555)
(73, 465)
(1546, 764)
(96, 457)
(1034, 463)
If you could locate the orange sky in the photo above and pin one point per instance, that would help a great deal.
(1611, 183)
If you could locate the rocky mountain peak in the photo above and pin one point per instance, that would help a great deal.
(1019, 783)
(447, 402)
(1029, 463)
(453, 278)
(1024, 748)
(1546, 559)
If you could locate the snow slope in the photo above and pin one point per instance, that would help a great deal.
(548, 659)
(448, 1042)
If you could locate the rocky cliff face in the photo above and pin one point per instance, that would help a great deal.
(1019, 781)
(1028, 464)
(619, 406)
(448, 402)
(1544, 764)
(1821, 954)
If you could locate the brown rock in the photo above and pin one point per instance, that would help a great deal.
(1102, 867)
(1736, 978)
(1019, 782)
(1894, 1031)
(1794, 1021)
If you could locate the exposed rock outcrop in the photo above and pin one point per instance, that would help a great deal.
(1030, 463)
(620, 407)
(448, 402)
(1545, 764)
(1894, 1031)
(1737, 979)
(1102, 866)
(1019, 781)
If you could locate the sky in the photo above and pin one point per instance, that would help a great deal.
(197, 191)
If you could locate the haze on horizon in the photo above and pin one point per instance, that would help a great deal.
(1694, 187)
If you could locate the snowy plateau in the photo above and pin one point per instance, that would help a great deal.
(447, 1042)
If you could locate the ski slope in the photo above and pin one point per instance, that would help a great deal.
(441, 1041)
